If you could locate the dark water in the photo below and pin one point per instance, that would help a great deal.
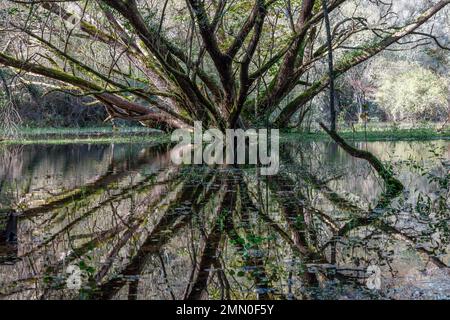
(137, 227)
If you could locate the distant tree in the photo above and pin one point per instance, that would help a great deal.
(9, 117)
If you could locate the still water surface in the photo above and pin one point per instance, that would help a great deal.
(137, 227)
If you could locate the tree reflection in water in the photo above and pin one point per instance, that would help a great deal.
(141, 228)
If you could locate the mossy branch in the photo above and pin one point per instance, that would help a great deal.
(394, 187)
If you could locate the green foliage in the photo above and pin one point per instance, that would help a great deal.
(416, 93)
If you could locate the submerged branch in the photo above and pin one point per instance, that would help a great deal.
(393, 186)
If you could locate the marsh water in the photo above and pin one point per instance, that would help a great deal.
(119, 221)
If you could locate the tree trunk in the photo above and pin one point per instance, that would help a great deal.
(330, 66)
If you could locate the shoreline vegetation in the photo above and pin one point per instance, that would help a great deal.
(105, 135)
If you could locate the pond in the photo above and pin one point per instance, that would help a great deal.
(120, 221)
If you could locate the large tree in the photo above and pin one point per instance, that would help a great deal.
(169, 63)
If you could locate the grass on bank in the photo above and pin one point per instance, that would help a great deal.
(92, 135)
(388, 135)
(90, 140)
(106, 135)
(383, 131)
(85, 131)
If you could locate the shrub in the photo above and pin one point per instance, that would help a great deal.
(415, 94)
